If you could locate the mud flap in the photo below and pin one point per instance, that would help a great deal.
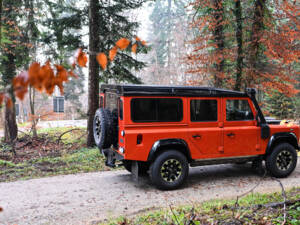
(135, 171)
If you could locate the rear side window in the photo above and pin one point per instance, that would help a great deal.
(204, 110)
(238, 110)
(156, 110)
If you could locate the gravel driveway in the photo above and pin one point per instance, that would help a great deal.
(86, 198)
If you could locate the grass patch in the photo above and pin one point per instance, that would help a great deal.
(252, 209)
(83, 160)
(50, 155)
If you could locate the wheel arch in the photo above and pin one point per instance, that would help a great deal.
(283, 137)
(174, 144)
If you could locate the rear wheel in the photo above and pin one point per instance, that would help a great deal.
(169, 170)
(282, 161)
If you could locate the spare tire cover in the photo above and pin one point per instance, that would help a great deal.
(102, 128)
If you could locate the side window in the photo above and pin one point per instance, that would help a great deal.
(156, 110)
(204, 110)
(121, 109)
(238, 110)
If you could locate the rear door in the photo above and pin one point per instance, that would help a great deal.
(240, 130)
(205, 130)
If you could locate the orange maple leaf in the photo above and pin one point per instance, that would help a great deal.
(123, 43)
(102, 60)
(137, 39)
(134, 48)
(113, 53)
(62, 73)
(81, 58)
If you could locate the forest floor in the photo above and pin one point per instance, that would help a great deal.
(54, 151)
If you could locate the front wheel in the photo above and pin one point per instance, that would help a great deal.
(282, 161)
(169, 170)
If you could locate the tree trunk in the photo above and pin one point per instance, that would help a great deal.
(93, 86)
(10, 128)
(0, 22)
(239, 40)
(257, 28)
(32, 111)
(219, 39)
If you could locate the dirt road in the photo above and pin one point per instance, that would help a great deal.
(86, 198)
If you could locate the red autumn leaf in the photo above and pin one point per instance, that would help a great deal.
(59, 84)
(1, 98)
(144, 43)
(33, 73)
(72, 74)
(134, 47)
(9, 103)
(81, 58)
(102, 60)
(62, 73)
(1, 209)
(137, 39)
(123, 43)
(113, 53)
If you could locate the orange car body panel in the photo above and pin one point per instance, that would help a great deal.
(212, 140)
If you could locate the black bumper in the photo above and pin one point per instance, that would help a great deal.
(111, 157)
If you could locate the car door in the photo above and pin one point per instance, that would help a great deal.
(241, 134)
(205, 130)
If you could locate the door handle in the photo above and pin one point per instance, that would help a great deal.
(230, 134)
(196, 136)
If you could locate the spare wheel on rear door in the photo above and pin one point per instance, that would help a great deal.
(102, 128)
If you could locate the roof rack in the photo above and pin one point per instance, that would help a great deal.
(153, 90)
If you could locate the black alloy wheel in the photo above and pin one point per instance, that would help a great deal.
(169, 170)
(282, 161)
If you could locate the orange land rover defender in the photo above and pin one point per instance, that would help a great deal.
(162, 130)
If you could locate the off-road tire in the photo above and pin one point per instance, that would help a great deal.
(169, 170)
(282, 161)
(102, 128)
(143, 167)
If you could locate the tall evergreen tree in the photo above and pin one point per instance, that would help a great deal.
(114, 25)
(62, 36)
(10, 59)
(167, 18)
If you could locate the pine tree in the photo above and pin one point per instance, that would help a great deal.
(168, 21)
(116, 24)
(10, 60)
(62, 37)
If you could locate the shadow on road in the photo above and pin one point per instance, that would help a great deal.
(199, 175)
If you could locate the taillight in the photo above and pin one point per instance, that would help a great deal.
(139, 139)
